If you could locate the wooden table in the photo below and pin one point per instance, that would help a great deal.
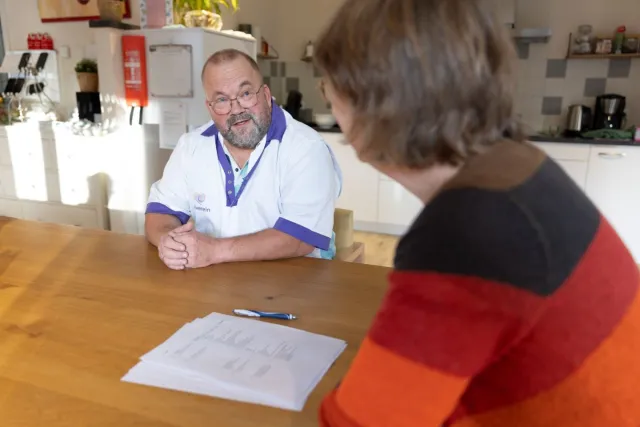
(79, 307)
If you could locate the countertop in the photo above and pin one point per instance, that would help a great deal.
(80, 307)
(532, 138)
(565, 140)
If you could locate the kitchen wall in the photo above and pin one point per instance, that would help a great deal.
(546, 83)
(21, 17)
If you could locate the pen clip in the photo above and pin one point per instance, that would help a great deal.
(246, 313)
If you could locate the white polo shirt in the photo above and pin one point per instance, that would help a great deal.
(290, 183)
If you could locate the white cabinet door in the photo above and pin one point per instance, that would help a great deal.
(613, 183)
(7, 182)
(576, 170)
(565, 151)
(359, 181)
(397, 207)
(5, 152)
(61, 214)
(11, 208)
(573, 158)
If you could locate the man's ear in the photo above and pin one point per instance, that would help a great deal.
(267, 93)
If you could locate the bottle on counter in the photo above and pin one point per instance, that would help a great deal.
(618, 40)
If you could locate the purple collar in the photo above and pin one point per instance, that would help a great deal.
(276, 131)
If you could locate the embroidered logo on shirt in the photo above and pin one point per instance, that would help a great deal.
(200, 198)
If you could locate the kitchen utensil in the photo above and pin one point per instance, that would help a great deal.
(578, 120)
(610, 106)
(35, 88)
(584, 39)
(14, 86)
(24, 61)
(294, 104)
(610, 112)
(324, 121)
(42, 60)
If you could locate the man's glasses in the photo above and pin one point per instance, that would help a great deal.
(246, 99)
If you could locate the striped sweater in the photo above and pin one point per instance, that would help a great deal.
(513, 303)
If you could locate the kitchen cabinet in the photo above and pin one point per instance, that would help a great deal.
(49, 176)
(613, 184)
(379, 204)
(11, 208)
(359, 181)
(397, 207)
(86, 217)
(7, 183)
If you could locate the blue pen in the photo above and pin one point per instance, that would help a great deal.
(265, 314)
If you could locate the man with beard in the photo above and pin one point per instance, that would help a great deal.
(253, 184)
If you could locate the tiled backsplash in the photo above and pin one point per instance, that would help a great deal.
(546, 87)
(294, 75)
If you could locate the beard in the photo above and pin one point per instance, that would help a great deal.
(251, 133)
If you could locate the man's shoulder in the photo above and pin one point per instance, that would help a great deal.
(300, 136)
(193, 140)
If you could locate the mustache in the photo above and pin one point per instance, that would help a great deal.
(239, 118)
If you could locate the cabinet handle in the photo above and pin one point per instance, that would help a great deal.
(612, 156)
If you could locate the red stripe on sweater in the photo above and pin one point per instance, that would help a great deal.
(576, 321)
(457, 324)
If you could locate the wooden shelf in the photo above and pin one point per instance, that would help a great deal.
(268, 57)
(572, 55)
(602, 55)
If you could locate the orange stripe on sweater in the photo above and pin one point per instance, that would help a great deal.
(385, 389)
(602, 392)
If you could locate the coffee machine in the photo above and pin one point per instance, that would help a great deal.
(88, 105)
(609, 112)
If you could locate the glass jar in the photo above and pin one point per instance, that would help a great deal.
(584, 39)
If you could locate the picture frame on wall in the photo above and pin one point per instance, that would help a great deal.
(73, 10)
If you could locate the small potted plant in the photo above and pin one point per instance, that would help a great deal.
(87, 74)
(202, 13)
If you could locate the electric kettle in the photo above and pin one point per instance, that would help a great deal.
(578, 120)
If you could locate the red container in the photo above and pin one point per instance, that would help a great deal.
(31, 41)
(47, 42)
(37, 40)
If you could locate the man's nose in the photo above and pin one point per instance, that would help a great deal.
(236, 108)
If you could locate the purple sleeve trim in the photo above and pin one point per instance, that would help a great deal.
(303, 234)
(159, 208)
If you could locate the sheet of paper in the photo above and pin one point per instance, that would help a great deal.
(240, 359)
(151, 374)
(173, 123)
(172, 73)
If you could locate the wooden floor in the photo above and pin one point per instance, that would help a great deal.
(378, 248)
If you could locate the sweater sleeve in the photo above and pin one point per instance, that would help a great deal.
(455, 304)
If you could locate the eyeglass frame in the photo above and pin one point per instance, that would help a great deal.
(212, 104)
